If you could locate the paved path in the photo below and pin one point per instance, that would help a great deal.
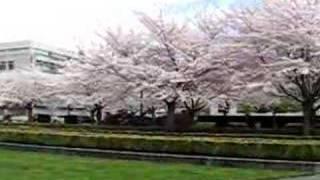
(315, 177)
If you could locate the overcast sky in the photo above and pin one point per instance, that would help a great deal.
(66, 23)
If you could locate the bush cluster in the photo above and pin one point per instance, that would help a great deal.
(283, 106)
(269, 148)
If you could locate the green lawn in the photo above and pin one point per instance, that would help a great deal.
(16, 165)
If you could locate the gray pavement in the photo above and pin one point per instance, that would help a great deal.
(314, 177)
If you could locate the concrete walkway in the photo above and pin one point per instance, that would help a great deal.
(315, 177)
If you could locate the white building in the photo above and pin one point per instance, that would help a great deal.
(29, 54)
(272, 1)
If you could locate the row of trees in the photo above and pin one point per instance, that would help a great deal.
(273, 48)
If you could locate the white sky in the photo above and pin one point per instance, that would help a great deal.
(66, 23)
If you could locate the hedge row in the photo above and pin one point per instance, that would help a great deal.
(218, 146)
(214, 132)
(293, 133)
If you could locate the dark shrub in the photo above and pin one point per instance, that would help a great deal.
(285, 106)
(183, 121)
(70, 119)
(246, 108)
(121, 117)
(85, 119)
(262, 109)
(43, 118)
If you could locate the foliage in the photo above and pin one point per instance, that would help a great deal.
(280, 42)
(285, 106)
(24, 88)
(246, 108)
(269, 148)
(168, 62)
(282, 105)
(263, 109)
(273, 48)
(20, 87)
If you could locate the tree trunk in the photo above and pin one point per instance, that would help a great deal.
(308, 114)
(153, 115)
(192, 115)
(6, 115)
(30, 114)
(29, 108)
(170, 122)
(141, 106)
(99, 115)
(92, 112)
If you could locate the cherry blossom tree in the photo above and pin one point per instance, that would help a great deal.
(280, 43)
(89, 83)
(24, 88)
(170, 63)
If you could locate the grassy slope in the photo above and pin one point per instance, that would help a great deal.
(16, 165)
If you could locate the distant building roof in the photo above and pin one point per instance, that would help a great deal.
(35, 45)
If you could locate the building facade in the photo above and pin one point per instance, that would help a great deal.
(272, 1)
(29, 54)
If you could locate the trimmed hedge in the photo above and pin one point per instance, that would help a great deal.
(153, 131)
(200, 130)
(291, 149)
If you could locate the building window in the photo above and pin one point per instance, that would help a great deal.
(46, 66)
(11, 65)
(3, 66)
